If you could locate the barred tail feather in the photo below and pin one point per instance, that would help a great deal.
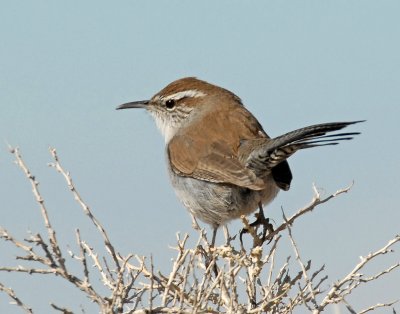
(278, 149)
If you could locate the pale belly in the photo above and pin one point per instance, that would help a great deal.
(215, 203)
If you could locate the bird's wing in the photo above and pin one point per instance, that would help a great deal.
(214, 163)
(209, 151)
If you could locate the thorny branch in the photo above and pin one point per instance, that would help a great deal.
(86, 209)
(10, 292)
(314, 203)
(203, 279)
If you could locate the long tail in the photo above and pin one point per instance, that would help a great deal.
(278, 149)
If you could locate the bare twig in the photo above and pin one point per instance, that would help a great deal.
(309, 284)
(378, 305)
(17, 301)
(83, 205)
(202, 279)
(353, 279)
(39, 199)
(61, 309)
(314, 203)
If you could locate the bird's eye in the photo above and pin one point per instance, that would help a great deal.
(170, 104)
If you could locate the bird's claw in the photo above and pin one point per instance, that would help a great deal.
(268, 228)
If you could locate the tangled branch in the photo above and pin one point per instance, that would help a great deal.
(203, 279)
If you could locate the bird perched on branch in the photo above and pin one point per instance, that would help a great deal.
(221, 162)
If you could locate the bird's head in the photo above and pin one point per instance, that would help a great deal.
(182, 101)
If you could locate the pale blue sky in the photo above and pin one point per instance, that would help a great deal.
(64, 67)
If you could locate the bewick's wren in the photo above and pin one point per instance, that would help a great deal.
(221, 162)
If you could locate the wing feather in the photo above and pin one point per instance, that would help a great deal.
(192, 153)
(215, 163)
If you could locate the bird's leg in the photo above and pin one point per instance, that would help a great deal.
(215, 267)
(227, 236)
(208, 254)
(214, 235)
(195, 224)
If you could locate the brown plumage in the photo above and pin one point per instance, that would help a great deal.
(221, 162)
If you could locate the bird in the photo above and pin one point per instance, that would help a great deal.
(221, 162)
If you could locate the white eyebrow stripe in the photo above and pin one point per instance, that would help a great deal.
(186, 93)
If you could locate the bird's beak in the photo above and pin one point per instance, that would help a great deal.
(134, 104)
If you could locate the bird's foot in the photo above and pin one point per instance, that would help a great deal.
(268, 228)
